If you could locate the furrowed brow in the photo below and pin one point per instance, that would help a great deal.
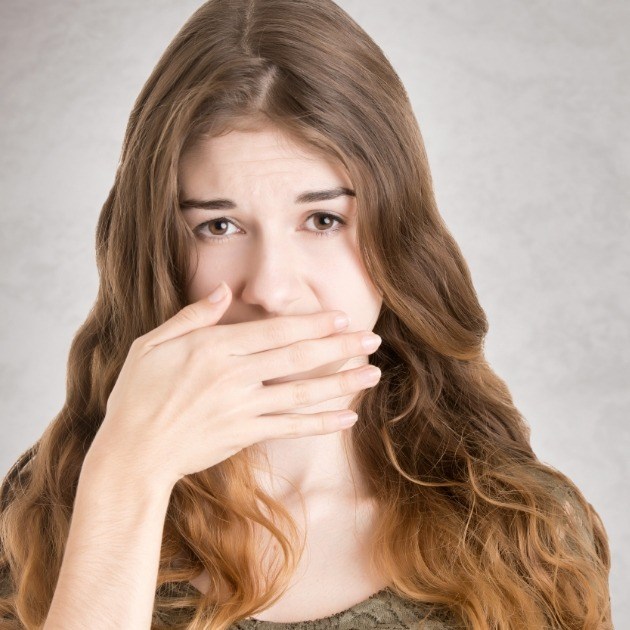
(305, 197)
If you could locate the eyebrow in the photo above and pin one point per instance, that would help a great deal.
(305, 197)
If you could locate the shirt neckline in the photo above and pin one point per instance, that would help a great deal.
(266, 623)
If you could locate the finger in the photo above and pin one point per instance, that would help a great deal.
(303, 393)
(258, 336)
(192, 317)
(295, 425)
(308, 354)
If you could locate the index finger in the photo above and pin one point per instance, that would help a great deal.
(260, 335)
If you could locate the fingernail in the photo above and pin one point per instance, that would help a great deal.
(341, 321)
(218, 294)
(371, 341)
(370, 375)
(347, 419)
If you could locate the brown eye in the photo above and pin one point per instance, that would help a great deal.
(212, 226)
(326, 219)
(220, 224)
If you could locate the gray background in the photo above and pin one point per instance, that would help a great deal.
(524, 111)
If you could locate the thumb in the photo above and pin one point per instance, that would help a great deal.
(205, 312)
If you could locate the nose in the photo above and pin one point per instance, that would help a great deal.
(272, 278)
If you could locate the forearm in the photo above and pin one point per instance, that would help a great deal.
(109, 569)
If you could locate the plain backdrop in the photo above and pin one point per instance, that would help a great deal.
(523, 107)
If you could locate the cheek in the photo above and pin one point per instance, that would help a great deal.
(203, 275)
(333, 264)
(368, 296)
(213, 263)
(345, 282)
(360, 271)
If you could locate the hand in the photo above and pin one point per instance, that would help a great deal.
(190, 393)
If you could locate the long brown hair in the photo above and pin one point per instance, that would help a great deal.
(469, 519)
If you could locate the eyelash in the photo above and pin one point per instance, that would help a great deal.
(219, 239)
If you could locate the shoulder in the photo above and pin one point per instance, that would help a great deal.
(570, 507)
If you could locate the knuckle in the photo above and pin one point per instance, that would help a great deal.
(237, 370)
(139, 344)
(346, 382)
(294, 426)
(277, 332)
(297, 354)
(213, 338)
(187, 315)
(300, 394)
(195, 355)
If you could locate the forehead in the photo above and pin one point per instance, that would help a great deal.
(265, 152)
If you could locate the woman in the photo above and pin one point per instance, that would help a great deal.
(198, 475)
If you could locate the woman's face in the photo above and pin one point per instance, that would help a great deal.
(279, 255)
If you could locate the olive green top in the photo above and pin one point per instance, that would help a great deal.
(384, 610)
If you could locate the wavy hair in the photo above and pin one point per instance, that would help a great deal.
(469, 519)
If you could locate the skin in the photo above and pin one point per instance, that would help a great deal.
(276, 263)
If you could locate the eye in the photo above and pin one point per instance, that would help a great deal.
(221, 223)
(327, 216)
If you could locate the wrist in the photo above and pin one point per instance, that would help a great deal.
(126, 475)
